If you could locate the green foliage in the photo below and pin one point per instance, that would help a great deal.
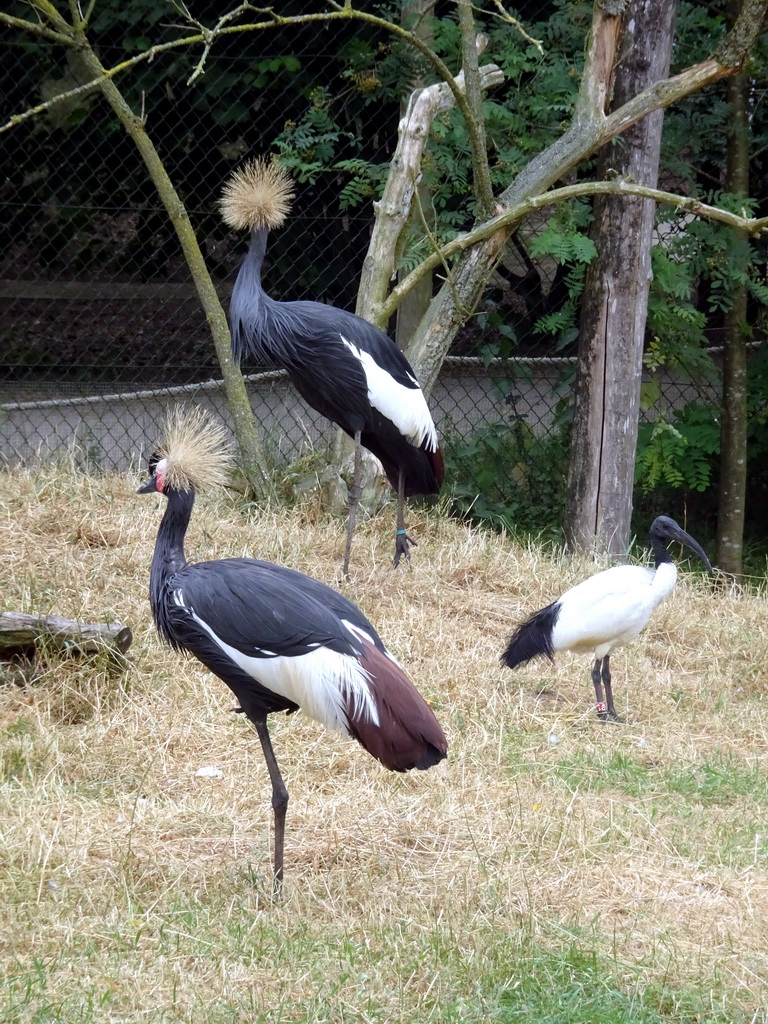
(698, 267)
(366, 181)
(521, 118)
(569, 246)
(510, 478)
(678, 452)
(309, 146)
(676, 326)
(135, 18)
(565, 242)
(312, 146)
(490, 323)
(681, 451)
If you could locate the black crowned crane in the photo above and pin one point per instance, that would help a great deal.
(604, 612)
(280, 640)
(343, 366)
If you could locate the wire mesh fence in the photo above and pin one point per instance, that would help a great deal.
(101, 325)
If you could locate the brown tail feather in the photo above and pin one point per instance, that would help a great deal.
(407, 735)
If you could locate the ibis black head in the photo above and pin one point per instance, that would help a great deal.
(664, 529)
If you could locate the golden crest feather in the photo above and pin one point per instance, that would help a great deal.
(196, 448)
(258, 195)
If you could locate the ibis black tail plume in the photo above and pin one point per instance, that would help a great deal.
(532, 638)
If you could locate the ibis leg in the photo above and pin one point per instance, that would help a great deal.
(354, 499)
(279, 799)
(402, 540)
(602, 708)
(606, 677)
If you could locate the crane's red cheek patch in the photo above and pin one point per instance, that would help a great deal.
(159, 481)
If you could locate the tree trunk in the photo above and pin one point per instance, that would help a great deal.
(612, 330)
(416, 16)
(733, 430)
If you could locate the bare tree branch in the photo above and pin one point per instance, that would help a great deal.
(35, 29)
(392, 210)
(208, 36)
(510, 20)
(511, 216)
(475, 123)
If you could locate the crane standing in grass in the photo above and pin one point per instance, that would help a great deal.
(603, 612)
(343, 366)
(280, 640)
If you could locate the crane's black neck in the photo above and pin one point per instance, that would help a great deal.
(169, 556)
(247, 304)
(257, 249)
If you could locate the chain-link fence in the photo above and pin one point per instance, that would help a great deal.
(101, 325)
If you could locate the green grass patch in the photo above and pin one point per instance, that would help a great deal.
(430, 977)
(576, 984)
(714, 781)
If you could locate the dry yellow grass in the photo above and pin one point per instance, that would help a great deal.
(136, 890)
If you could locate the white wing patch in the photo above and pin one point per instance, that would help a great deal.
(322, 682)
(405, 407)
(360, 633)
(357, 631)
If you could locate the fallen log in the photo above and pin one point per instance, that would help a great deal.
(20, 632)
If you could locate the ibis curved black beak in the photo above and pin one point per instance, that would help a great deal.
(669, 528)
(148, 486)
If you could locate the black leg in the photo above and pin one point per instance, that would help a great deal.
(602, 708)
(402, 540)
(606, 674)
(279, 800)
(354, 498)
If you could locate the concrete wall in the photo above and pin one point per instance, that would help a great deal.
(114, 431)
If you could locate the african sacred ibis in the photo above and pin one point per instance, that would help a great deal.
(603, 612)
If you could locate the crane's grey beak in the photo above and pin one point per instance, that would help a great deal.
(148, 486)
(678, 533)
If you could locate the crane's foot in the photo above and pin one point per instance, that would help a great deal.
(402, 542)
(606, 714)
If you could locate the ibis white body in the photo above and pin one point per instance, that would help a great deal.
(610, 608)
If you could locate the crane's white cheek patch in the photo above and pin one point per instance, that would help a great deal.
(405, 407)
(330, 687)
